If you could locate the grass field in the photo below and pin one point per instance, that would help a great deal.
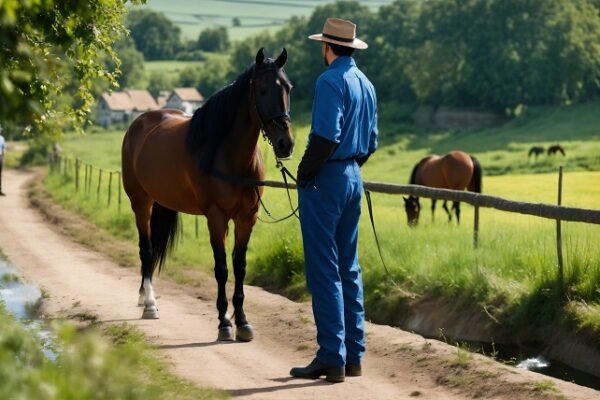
(515, 267)
(173, 68)
(254, 15)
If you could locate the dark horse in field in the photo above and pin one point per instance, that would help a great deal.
(197, 165)
(456, 170)
(557, 148)
(536, 150)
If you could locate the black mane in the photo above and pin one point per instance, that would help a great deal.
(211, 122)
(413, 174)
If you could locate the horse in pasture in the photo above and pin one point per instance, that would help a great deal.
(202, 165)
(456, 170)
(557, 148)
(536, 150)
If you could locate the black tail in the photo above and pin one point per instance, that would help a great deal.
(413, 174)
(475, 184)
(164, 228)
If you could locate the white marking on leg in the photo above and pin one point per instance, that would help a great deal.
(150, 300)
(150, 305)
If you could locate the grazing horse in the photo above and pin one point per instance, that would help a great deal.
(207, 164)
(456, 170)
(557, 148)
(536, 150)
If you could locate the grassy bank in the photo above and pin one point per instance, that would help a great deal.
(114, 363)
(513, 274)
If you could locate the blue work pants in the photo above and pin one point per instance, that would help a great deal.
(330, 207)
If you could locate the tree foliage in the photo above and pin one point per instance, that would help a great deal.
(214, 39)
(50, 48)
(156, 36)
(489, 54)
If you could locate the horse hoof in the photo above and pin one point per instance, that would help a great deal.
(244, 333)
(225, 334)
(150, 312)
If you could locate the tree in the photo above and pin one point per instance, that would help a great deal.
(159, 81)
(51, 47)
(208, 78)
(156, 36)
(214, 39)
(132, 68)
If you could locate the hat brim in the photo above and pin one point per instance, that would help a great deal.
(355, 44)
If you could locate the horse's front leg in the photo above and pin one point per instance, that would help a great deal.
(217, 226)
(243, 229)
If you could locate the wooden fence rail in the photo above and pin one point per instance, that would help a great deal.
(479, 200)
(555, 212)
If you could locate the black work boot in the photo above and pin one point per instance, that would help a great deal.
(353, 370)
(315, 370)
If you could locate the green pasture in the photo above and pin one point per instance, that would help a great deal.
(513, 273)
(254, 16)
(174, 68)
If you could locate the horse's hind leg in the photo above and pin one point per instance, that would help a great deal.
(449, 212)
(243, 229)
(217, 226)
(142, 210)
(433, 209)
(456, 207)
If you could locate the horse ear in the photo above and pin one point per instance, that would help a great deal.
(282, 59)
(260, 56)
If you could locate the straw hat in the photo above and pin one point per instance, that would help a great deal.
(340, 31)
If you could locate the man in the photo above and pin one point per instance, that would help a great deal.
(343, 135)
(2, 154)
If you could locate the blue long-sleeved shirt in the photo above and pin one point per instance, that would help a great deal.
(345, 110)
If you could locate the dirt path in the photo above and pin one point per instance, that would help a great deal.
(398, 365)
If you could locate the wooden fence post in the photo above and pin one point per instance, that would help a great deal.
(85, 180)
(119, 192)
(559, 252)
(109, 187)
(91, 177)
(77, 175)
(99, 183)
(476, 228)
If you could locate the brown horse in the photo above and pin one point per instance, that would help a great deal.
(456, 170)
(557, 148)
(208, 165)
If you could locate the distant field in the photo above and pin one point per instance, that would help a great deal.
(173, 68)
(254, 15)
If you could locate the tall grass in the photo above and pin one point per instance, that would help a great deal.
(515, 267)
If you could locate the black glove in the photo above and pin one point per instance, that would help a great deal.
(362, 160)
(317, 152)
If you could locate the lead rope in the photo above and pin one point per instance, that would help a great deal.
(370, 207)
(284, 173)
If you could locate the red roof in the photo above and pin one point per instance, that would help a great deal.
(130, 100)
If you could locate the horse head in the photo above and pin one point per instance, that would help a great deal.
(413, 208)
(270, 88)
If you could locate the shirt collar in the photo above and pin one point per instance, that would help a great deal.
(343, 61)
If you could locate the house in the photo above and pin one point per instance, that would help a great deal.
(185, 99)
(124, 107)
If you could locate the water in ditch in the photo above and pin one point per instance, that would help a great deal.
(533, 360)
(23, 301)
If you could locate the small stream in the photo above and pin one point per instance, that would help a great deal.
(533, 360)
(23, 301)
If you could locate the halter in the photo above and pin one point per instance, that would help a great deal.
(277, 119)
